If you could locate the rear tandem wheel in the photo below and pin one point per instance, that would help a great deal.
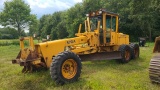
(125, 53)
(134, 50)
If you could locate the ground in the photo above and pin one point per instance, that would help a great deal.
(96, 75)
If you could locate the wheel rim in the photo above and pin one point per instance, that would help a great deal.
(127, 55)
(69, 69)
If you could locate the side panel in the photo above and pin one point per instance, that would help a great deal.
(122, 38)
(113, 38)
(49, 49)
(52, 48)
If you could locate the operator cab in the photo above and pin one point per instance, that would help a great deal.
(108, 25)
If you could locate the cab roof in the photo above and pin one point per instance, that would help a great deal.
(101, 11)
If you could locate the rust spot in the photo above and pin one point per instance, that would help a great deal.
(21, 39)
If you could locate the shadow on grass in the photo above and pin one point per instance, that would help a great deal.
(133, 65)
(42, 80)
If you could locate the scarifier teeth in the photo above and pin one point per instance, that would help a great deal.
(24, 70)
(27, 69)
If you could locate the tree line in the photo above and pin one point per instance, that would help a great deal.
(138, 18)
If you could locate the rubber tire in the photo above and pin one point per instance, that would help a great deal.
(134, 47)
(122, 49)
(154, 69)
(56, 66)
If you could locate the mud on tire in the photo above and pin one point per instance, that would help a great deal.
(65, 68)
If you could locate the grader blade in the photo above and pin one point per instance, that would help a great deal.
(101, 56)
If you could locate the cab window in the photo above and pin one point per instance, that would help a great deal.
(110, 23)
(94, 22)
(114, 23)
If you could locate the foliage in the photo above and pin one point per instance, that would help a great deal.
(16, 13)
(9, 33)
(33, 26)
(42, 26)
(9, 42)
(53, 25)
(137, 18)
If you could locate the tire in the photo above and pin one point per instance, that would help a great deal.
(125, 53)
(154, 69)
(134, 50)
(65, 68)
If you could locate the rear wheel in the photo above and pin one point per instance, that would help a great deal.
(66, 67)
(125, 53)
(134, 50)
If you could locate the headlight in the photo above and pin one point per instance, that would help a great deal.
(87, 15)
(100, 12)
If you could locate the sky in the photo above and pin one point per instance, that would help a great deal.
(41, 7)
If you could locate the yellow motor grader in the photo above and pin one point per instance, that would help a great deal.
(154, 69)
(100, 40)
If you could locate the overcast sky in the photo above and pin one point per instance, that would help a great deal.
(41, 7)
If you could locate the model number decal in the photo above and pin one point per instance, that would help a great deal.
(71, 41)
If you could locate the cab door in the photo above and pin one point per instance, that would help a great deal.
(111, 29)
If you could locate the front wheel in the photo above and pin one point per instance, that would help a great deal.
(66, 67)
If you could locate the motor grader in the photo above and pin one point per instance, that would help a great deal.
(154, 68)
(100, 40)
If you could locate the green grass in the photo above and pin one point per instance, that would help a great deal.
(9, 42)
(97, 75)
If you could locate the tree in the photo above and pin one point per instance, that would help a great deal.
(33, 27)
(9, 33)
(137, 18)
(141, 16)
(43, 24)
(16, 13)
(58, 24)
(62, 29)
(75, 16)
(156, 17)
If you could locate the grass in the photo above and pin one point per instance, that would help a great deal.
(97, 75)
(9, 42)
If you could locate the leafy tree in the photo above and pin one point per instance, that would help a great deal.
(137, 18)
(16, 13)
(62, 29)
(33, 27)
(9, 33)
(43, 24)
(156, 16)
(141, 16)
(59, 29)
(74, 17)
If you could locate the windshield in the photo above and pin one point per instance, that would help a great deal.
(94, 22)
